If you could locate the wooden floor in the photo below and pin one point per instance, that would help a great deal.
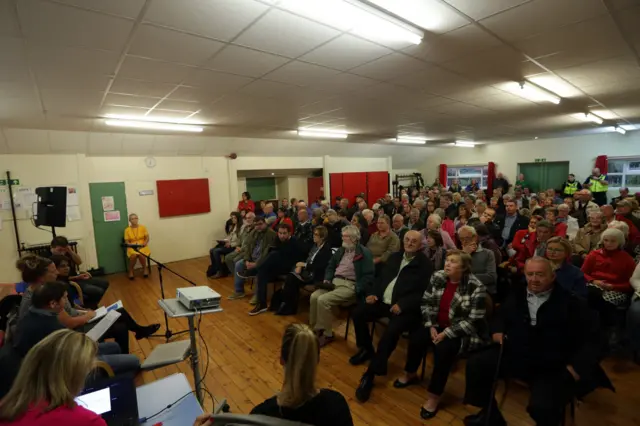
(243, 362)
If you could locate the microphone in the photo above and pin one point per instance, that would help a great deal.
(133, 246)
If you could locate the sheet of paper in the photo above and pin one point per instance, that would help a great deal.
(113, 216)
(72, 196)
(73, 213)
(105, 323)
(104, 310)
(108, 204)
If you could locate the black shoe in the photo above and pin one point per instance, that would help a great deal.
(258, 309)
(401, 385)
(147, 331)
(480, 419)
(361, 357)
(364, 389)
(426, 415)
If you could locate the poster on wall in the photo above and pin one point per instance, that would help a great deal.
(72, 196)
(112, 216)
(108, 204)
(73, 213)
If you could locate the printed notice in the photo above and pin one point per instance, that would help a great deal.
(113, 216)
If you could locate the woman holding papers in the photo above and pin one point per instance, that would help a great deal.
(137, 234)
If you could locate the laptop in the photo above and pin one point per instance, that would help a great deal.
(114, 400)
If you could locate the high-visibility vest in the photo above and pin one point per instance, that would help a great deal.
(570, 188)
(597, 186)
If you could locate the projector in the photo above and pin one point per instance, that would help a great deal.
(201, 297)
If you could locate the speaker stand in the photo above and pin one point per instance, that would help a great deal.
(53, 231)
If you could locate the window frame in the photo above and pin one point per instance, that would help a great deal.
(626, 172)
(482, 177)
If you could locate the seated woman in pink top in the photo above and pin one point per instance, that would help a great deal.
(50, 378)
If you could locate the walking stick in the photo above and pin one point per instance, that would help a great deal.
(494, 387)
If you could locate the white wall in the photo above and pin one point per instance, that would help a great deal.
(282, 187)
(242, 187)
(298, 189)
(581, 152)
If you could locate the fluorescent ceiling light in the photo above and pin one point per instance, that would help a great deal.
(322, 134)
(619, 130)
(154, 125)
(356, 17)
(151, 119)
(589, 116)
(410, 139)
(536, 93)
(465, 144)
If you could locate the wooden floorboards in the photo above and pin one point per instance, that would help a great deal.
(243, 362)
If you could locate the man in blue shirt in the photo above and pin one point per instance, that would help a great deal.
(511, 222)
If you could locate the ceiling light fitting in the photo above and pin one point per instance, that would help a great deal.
(536, 93)
(410, 139)
(465, 144)
(619, 130)
(153, 125)
(591, 117)
(322, 134)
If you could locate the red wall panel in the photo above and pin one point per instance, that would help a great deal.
(353, 184)
(314, 188)
(183, 197)
(377, 186)
(335, 184)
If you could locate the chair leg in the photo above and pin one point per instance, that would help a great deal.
(346, 333)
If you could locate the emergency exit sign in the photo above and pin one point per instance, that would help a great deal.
(4, 182)
(540, 160)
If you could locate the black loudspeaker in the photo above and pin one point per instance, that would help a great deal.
(52, 206)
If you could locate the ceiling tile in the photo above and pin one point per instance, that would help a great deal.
(629, 19)
(165, 114)
(8, 19)
(575, 44)
(300, 73)
(81, 103)
(390, 66)
(492, 66)
(345, 52)
(270, 89)
(482, 9)
(217, 81)
(243, 61)
(155, 71)
(122, 110)
(25, 108)
(63, 141)
(54, 78)
(461, 42)
(105, 143)
(140, 87)
(27, 141)
(539, 16)
(169, 104)
(130, 100)
(220, 19)
(196, 94)
(55, 23)
(432, 79)
(342, 83)
(126, 8)
(168, 45)
(289, 35)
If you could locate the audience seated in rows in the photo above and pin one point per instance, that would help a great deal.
(434, 223)
(588, 237)
(306, 273)
(282, 217)
(568, 276)
(398, 227)
(349, 273)
(231, 258)
(555, 350)
(633, 315)
(360, 222)
(92, 288)
(246, 204)
(52, 375)
(395, 294)
(483, 262)
(334, 225)
(559, 227)
(225, 246)
(434, 249)
(510, 223)
(382, 243)
(304, 230)
(413, 222)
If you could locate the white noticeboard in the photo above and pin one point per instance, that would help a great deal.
(72, 196)
(108, 204)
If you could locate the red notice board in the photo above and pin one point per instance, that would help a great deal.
(183, 197)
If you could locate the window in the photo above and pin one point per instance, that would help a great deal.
(465, 174)
(624, 173)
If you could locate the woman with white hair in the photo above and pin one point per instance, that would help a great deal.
(434, 223)
(608, 272)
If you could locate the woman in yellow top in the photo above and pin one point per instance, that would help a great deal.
(137, 234)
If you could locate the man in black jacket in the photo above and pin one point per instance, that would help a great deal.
(281, 259)
(550, 341)
(511, 222)
(396, 295)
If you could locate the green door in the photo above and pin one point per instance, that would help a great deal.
(542, 176)
(261, 188)
(108, 231)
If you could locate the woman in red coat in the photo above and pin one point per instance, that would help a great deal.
(246, 204)
(608, 272)
(282, 218)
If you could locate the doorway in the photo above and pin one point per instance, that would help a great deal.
(109, 233)
(542, 176)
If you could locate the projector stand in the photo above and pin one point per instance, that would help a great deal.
(168, 334)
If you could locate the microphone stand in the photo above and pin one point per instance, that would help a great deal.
(168, 334)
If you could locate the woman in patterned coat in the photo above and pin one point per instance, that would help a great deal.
(453, 313)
